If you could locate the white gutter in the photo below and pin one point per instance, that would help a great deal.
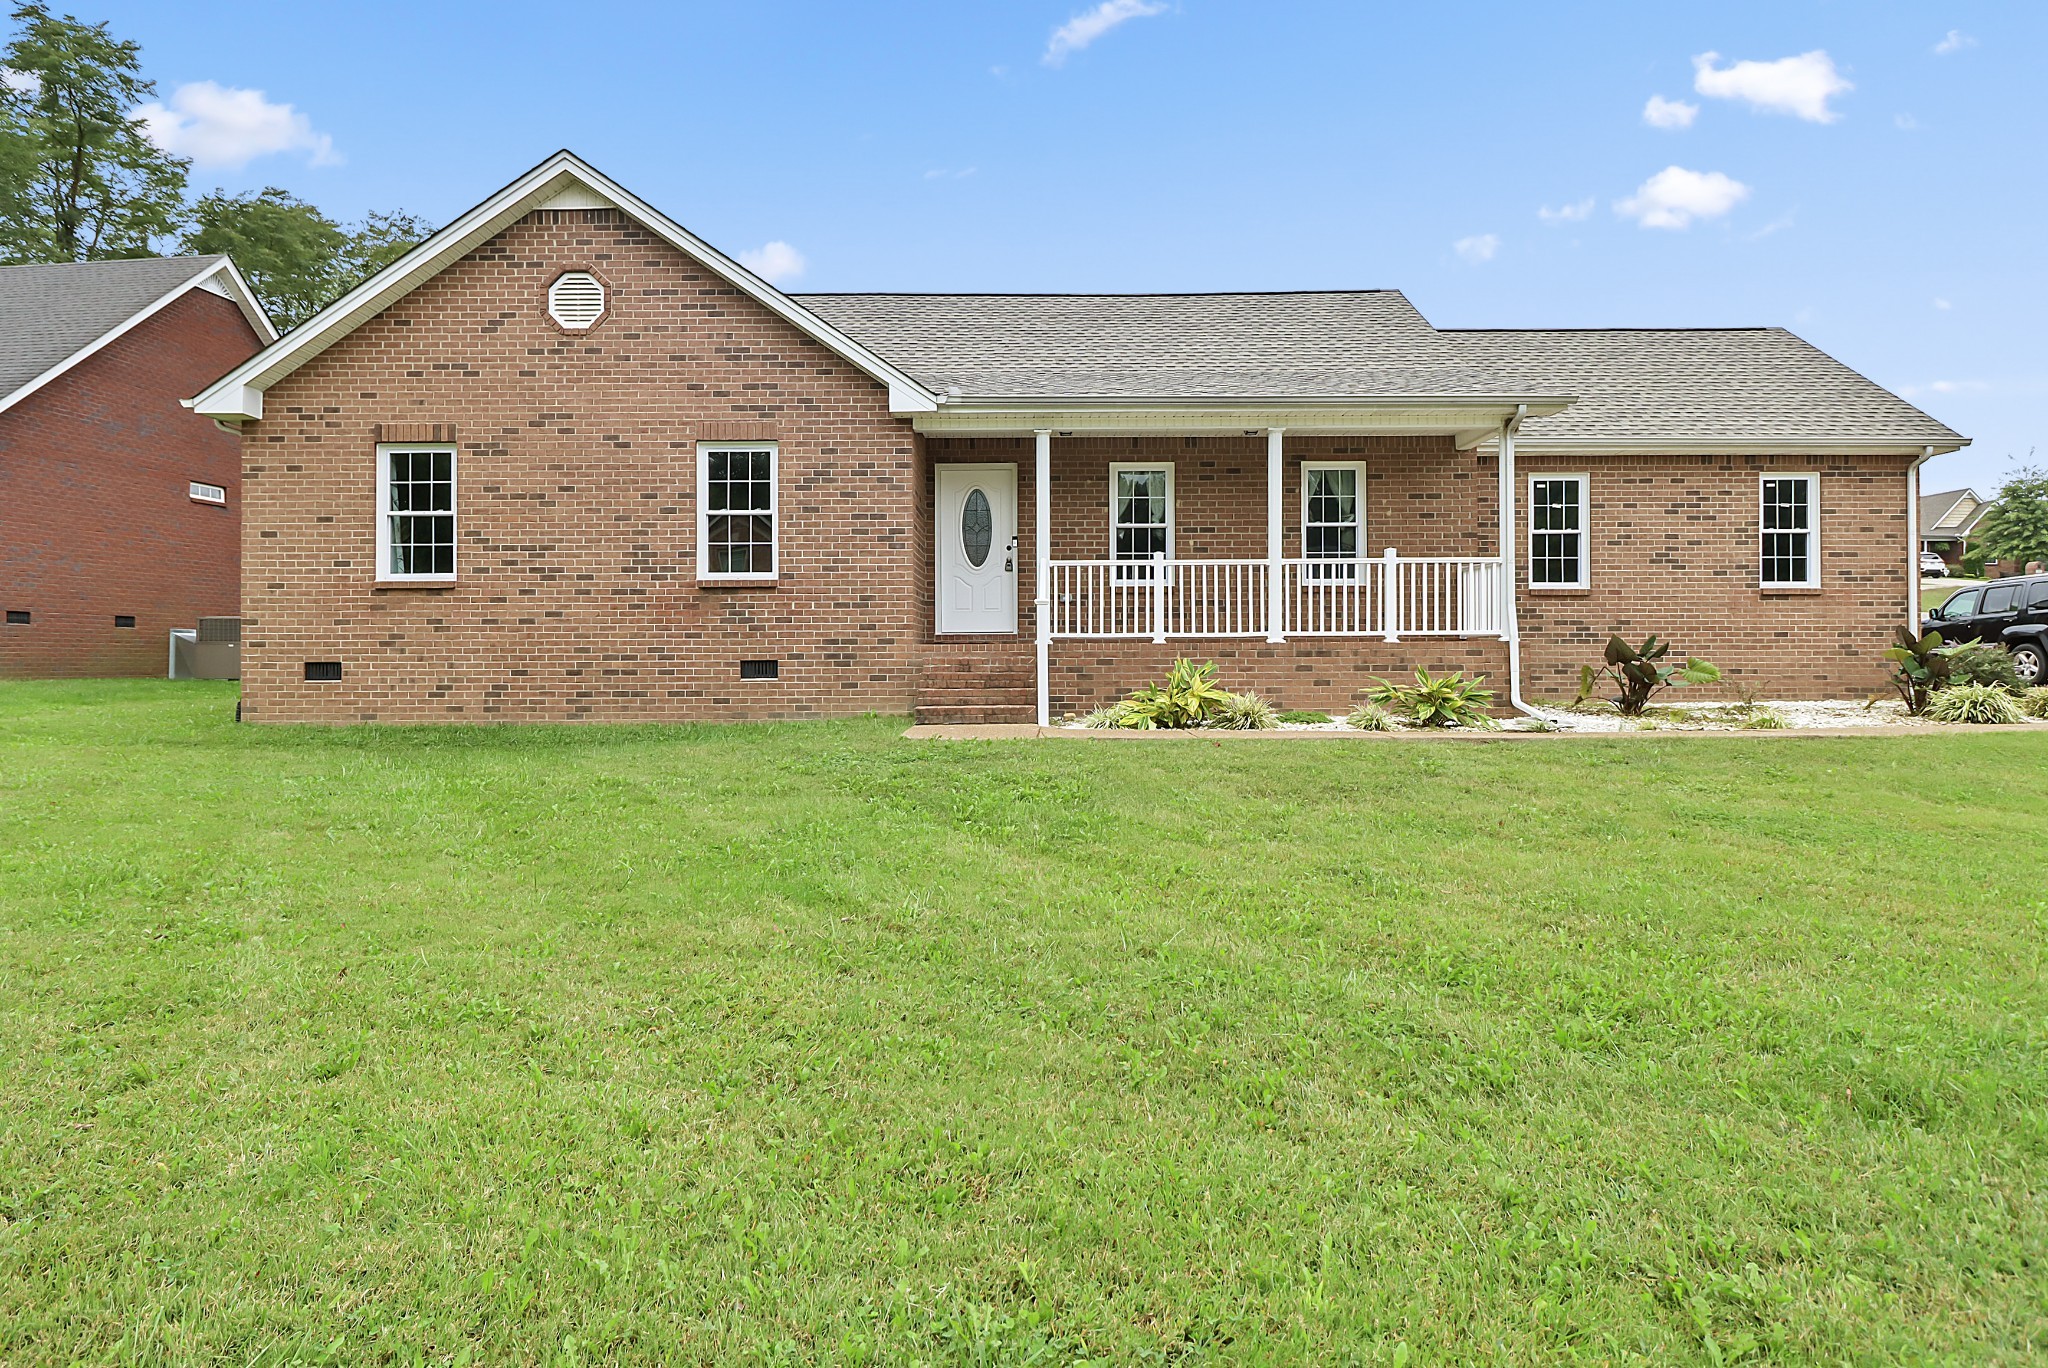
(1913, 613)
(1511, 625)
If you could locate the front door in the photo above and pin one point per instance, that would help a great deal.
(976, 539)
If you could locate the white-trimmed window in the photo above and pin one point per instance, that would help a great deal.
(1557, 531)
(1140, 515)
(415, 512)
(1790, 543)
(201, 492)
(1333, 518)
(737, 522)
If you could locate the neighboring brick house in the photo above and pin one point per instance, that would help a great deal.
(118, 506)
(565, 460)
(1947, 521)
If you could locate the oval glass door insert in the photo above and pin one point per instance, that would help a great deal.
(977, 527)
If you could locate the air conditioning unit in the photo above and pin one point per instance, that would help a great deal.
(212, 651)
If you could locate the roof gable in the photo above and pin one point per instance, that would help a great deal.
(563, 181)
(52, 317)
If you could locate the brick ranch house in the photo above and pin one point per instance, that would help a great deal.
(566, 460)
(118, 509)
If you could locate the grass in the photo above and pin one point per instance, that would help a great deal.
(806, 1043)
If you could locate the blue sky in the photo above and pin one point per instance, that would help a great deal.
(1866, 174)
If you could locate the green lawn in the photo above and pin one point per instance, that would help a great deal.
(807, 1043)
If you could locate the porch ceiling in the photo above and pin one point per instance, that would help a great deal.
(1468, 421)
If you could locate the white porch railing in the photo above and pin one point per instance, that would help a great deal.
(1390, 596)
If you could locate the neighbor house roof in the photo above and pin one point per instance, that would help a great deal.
(1714, 385)
(52, 317)
(1309, 344)
(1935, 510)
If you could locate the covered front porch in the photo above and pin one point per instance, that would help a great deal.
(1304, 556)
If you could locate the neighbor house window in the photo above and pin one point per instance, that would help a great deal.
(1557, 531)
(1791, 540)
(416, 513)
(1140, 515)
(206, 493)
(736, 517)
(1333, 518)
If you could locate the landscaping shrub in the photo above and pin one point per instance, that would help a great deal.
(1981, 662)
(2034, 702)
(1245, 712)
(1763, 720)
(1638, 672)
(1371, 717)
(1980, 704)
(1304, 717)
(1106, 717)
(1919, 667)
(1189, 697)
(1441, 701)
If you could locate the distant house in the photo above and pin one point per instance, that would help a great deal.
(1948, 519)
(567, 460)
(119, 507)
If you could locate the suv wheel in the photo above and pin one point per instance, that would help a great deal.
(2030, 664)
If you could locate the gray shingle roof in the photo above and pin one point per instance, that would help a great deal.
(48, 313)
(1696, 382)
(1709, 383)
(1322, 344)
(1934, 506)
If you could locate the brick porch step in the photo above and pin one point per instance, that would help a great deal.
(967, 714)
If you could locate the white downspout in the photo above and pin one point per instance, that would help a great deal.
(1276, 589)
(1511, 623)
(1041, 591)
(1913, 613)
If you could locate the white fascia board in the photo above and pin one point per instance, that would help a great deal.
(565, 179)
(1404, 415)
(223, 271)
(1733, 446)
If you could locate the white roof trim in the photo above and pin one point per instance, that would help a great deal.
(1960, 495)
(221, 278)
(1731, 446)
(560, 181)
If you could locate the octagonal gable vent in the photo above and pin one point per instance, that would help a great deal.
(576, 300)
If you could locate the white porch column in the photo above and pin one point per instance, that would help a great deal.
(1507, 531)
(1041, 594)
(1276, 572)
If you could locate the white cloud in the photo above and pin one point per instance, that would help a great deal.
(1801, 86)
(1942, 304)
(775, 262)
(220, 126)
(944, 173)
(25, 82)
(1478, 247)
(1905, 123)
(1955, 40)
(1947, 387)
(1567, 213)
(1663, 113)
(1674, 197)
(1083, 29)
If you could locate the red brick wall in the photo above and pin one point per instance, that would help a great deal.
(577, 527)
(1673, 546)
(95, 518)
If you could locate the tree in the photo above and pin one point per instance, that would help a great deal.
(79, 177)
(295, 257)
(2015, 531)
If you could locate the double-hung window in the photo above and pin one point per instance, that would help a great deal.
(415, 513)
(1140, 516)
(737, 517)
(1790, 545)
(1557, 531)
(1332, 518)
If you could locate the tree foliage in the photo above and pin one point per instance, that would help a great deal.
(2015, 531)
(79, 178)
(295, 257)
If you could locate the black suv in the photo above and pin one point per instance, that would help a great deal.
(2011, 612)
